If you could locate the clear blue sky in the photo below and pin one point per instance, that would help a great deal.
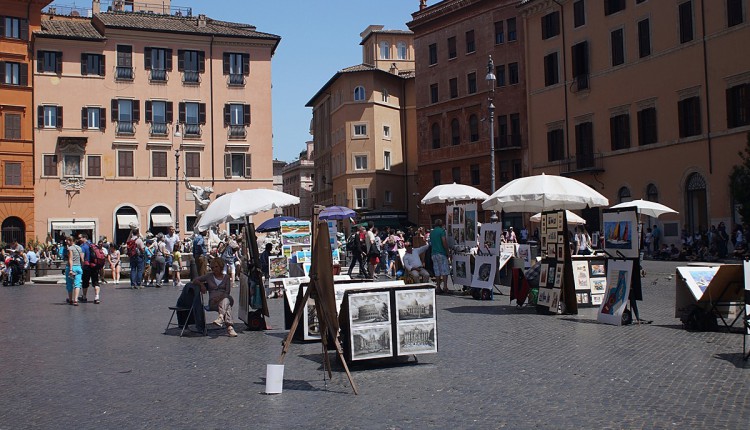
(318, 38)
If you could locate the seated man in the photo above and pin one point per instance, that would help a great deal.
(413, 263)
(218, 286)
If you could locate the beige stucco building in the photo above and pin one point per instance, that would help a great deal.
(122, 97)
(364, 131)
(641, 99)
(298, 178)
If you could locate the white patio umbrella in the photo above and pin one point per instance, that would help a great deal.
(544, 192)
(572, 218)
(646, 207)
(453, 193)
(242, 203)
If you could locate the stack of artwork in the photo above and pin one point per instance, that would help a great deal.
(370, 323)
(296, 237)
(552, 247)
(590, 281)
(461, 224)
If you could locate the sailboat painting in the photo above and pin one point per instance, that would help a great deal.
(621, 233)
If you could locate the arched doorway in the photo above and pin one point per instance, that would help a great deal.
(696, 203)
(124, 217)
(14, 229)
(160, 220)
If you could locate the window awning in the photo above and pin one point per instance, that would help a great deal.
(73, 225)
(161, 220)
(124, 221)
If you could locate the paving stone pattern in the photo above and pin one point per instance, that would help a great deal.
(110, 366)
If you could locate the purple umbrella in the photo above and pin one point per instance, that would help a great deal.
(336, 212)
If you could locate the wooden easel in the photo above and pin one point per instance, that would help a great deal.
(321, 290)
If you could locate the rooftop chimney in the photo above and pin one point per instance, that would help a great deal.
(422, 4)
(201, 21)
(95, 6)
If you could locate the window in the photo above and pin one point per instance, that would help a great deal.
(192, 116)
(435, 132)
(124, 68)
(236, 119)
(384, 96)
(619, 131)
(361, 198)
(387, 160)
(499, 33)
(360, 162)
(511, 29)
(579, 13)
(618, 47)
(455, 132)
(94, 165)
(158, 61)
(92, 64)
(513, 73)
(580, 59)
(436, 178)
(644, 38)
(93, 118)
(125, 113)
(689, 112)
(434, 93)
(12, 173)
(12, 126)
(385, 50)
(517, 170)
(238, 165)
(471, 83)
(456, 174)
(551, 76)
(48, 62)
(401, 50)
(452, 47)
(652, 193)
(159, 164)
(125, 164)
(49, 167)
(647, 126)
(475, 176)
(159, 114)
(686, 21)
(550, 25)
(734, 13)
(71, 165)
(584, 145)
(502, 126)
(237, 66)
(14, 28)
(433, 53)
(193, 164)
(515, 129)
(388, 197)
(470, 43)
(623, 195)
(359, 94)
(473, 128)
(360, 130)
(14, 73)
(500, 75)
(555, 145)
(49, 116)
(191, 64)
(612, 6)
(738, 105)
(453, 84)
(504, 171)
(387, 132)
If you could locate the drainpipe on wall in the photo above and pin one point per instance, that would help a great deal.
(705, 83)
(565, 82)
(211, 98)
(30, 77)
(403, 146)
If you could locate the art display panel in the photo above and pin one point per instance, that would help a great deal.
(416, 338)
(620, 232)
(618, 288)
(462, 270)
(697, 278)
(484, 272)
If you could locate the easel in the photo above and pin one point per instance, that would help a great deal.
(321, 290)
(250, 272)
(636, 290)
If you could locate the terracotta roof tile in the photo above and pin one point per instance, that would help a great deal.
(69, 29)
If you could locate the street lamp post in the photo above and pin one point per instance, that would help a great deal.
(491, 108)
(177, 181)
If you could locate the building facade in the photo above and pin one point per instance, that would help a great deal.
(132, 107)
(298, 179)
(453, 40)
(364, 134)
(18, 20)
(641, 99)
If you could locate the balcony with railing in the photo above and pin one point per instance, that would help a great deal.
(580, 83)
(125, 128)
(158, 129)
(158, 75)
(507, 142)
(123, 73)
(237, 132)
(237, 80)
(192, 130)
(587, 162)
(189, 77)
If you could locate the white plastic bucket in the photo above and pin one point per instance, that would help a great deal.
(274, 378)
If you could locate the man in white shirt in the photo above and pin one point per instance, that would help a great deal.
(169, 240)
(413, 264)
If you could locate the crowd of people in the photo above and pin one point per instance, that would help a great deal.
(708, 245)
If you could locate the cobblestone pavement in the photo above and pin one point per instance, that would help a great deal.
(110, 365)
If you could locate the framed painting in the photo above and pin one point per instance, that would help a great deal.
(581, 274)
(524, 253)
(416, 337)
(621, 231)
(598, 285)
(413, 305)
(596, 299)
(490, 237)
(543, 274)
(462, 270)
(558, 275)
(372, 341)
(616, 296)
(697, 278)
(485, 268)
(369, 308)
(597, 267)
(278, 267)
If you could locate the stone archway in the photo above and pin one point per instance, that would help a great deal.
(123, 217)
(696, 203)
(13, 228)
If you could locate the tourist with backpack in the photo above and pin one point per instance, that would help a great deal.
(158, 261)
(90, 267)
(135, 249)
(355, 245)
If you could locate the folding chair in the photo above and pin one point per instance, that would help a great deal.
(176, 309)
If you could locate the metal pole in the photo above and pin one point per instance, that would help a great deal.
(491, 108)
(177, 190)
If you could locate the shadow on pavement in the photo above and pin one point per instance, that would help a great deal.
(736, 358)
